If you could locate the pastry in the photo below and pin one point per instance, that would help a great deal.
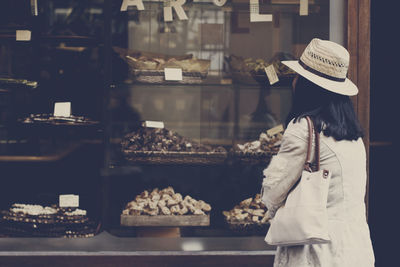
(248, 211)
(28, 220)
(165, 202)
(266, 144)
(162, 140)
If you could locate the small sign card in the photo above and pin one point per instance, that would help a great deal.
(71, 201)
(271, 74)
(173, 74)
(62, 109)
(303, 7)
(275, 130)
(153, 124)
(23, 35)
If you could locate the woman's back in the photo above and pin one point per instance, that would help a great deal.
(346, 160)
(322, 92)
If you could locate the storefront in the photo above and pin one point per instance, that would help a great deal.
(136, 132)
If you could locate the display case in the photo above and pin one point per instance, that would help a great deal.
(50, 52)
(177, 108)
(51, 90)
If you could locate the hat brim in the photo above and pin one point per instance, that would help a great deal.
(344, 88)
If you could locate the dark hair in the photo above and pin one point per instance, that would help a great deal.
(331, 113)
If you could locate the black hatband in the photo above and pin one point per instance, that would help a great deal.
(320, 73)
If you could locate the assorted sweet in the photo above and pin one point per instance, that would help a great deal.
(50, 118)
(163, 140)
(165, 202)
(266, 144)
(16, 83)
(248, 211)
(257, 66)
(240, 64)
(281, 69)
(141, 60)
(46, 221)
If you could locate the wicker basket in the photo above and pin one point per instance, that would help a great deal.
(244, 77)
(253, 158)
(172, 157)
(246, 229)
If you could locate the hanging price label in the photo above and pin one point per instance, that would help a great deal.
(303, 7)
(271, 74)
(34, 7)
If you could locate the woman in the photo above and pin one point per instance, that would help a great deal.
(321, 91)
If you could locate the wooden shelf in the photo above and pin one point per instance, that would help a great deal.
(71, 40)
(58, 154)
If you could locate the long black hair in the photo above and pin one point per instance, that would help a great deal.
(331, 113)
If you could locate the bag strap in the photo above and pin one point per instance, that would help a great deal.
(308, 164)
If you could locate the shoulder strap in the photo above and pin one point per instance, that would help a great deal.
(311, 129)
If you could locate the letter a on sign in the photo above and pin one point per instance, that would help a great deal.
(177, 5)
(138, 3)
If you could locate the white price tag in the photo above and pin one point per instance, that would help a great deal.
(71, 201)
(277, 129)
(303, 7)
(153, 124)
(62, 109)
(173, 74)
(23, 35)
(271, 74)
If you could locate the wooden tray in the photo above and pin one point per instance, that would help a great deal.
(256, 158)
(158, 77)
(242, 229)
(165, 220)
(51, 156)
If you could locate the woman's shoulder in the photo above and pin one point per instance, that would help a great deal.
(298, 128)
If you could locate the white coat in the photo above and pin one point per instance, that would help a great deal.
(350, 237)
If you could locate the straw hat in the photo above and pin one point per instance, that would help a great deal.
(325, 63)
